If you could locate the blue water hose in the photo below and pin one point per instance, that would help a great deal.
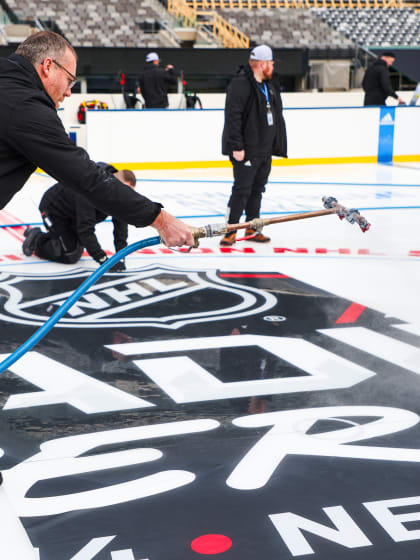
(76, 295)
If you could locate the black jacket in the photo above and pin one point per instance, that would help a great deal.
(154, 83)
(246, 118)
(377, 83)
(32, 135)
(64, 205)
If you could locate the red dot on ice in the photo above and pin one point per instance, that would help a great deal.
(211, 544)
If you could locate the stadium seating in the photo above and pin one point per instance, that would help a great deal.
(113, 23)
(287, 28)
(375, 27)
(131, 23)
(333, 28)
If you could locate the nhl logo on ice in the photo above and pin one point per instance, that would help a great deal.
(152, 296)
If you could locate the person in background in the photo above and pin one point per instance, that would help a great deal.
(154, 82)
(254, 131)
(192, 99)
(33, 82)
(70, 221)
(377, 83)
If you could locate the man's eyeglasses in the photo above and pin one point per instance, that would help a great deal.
(73, 78)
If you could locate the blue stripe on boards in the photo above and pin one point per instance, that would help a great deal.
(386, 134)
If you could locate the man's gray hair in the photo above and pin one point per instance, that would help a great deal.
(45, 44)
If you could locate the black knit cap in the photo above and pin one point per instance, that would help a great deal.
(389, 53)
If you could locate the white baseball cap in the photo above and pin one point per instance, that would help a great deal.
(151, 56)
(261, 52)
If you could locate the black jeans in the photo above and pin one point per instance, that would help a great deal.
(250, 177)
(60, 244)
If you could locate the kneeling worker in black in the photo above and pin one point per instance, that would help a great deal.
(70, 220)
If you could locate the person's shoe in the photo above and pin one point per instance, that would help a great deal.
(31, 236)
(229, 239)
(258, 237)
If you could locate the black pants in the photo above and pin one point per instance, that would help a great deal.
(60, 244)
(374, 98)
(250, 177)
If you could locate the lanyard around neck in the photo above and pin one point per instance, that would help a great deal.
(265, 92)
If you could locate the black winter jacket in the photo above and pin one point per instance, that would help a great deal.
(377, 83)
(154, 83)
(246, 117)
(64, 205)
(32, 135)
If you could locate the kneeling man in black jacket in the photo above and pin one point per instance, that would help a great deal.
(254, 131)
(70, 220)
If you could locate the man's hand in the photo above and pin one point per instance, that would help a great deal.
(238, 155)
(173, 232)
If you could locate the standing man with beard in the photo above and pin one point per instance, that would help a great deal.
(254, 131)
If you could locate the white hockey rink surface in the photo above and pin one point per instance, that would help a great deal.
(379, 268)
(57, 503)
